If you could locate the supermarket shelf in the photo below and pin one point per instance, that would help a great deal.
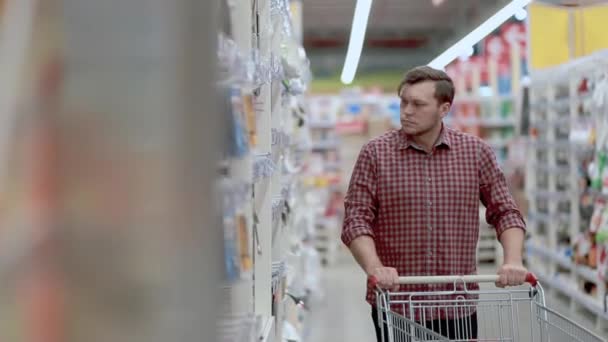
(267, 332)
(583, 97)
(562, 103)
(499, 143)
(332, 166)
(322, 125)
(237, 327)
(325, 145)
(477, 98)
(583, 271)
(546, 218)
(546, 123)
(486, 122)
(489, 243)
(564, 144)
(587, 273)
(497, 122)
(551, 169)
(560, 195)
(598, 194)
(280, 138)
(545, 253)
(586, 301)
(486, 255)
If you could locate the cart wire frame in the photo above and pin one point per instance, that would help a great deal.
(513, 315)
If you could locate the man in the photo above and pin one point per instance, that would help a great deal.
(412, 206)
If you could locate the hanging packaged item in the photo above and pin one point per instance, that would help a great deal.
(582, 247)
(232, 198)
(592, 260)
(598, 216)
(601, 239)
(231, 260)
(238, 135)
(246, 262)
(250, 119)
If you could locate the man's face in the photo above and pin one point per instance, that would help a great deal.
(420, 110)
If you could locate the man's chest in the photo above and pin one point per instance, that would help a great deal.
(446, 178)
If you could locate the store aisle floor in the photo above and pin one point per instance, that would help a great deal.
(343, 314)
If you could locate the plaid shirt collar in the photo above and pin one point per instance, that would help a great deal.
(444, 139)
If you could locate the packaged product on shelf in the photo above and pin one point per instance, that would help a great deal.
(250, 119)
(238, 139)
(246, 262)
(601, 239)
(593, 255)
(582, 247)
(231, 254)
(486, 109)
(506, 109)
(599, 215)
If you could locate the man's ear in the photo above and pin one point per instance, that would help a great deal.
(444, 109)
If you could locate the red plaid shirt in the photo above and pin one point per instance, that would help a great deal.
(422, 210)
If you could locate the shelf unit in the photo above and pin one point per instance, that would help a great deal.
(558, 114)
(268, 68)
(324, 174)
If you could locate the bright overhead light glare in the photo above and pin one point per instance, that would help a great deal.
(478, 34)
(355, 44)
(521, 14)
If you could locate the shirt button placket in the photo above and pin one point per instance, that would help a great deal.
(429, 213)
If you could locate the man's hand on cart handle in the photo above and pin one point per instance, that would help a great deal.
(385, 278)
(512, 275)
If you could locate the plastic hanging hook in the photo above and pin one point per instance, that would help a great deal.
(256, 236)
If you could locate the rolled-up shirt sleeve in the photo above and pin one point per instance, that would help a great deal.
(501, 210)
(360, 203)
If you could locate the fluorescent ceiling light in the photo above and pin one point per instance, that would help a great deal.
(521, 14)
(355, 44)
(470, 51)
(478, 34)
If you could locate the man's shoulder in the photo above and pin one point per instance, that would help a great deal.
(463, 139)
(388, 138)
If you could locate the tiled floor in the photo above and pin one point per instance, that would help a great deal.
(343, 315)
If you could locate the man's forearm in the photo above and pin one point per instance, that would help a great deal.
(512, 241)
(363, 249)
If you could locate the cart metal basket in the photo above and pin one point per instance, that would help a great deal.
(517, 315)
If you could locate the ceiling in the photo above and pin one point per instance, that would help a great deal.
(400, 33)
(390, 18)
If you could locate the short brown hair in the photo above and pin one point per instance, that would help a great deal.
(444, 87)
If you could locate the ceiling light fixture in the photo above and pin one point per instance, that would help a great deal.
(437, 3)
(355, 44)
(463, 45)
(521, 15)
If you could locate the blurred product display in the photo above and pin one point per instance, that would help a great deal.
(272, 267)
(565, 181)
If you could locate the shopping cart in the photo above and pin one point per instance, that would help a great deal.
(517, 315)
